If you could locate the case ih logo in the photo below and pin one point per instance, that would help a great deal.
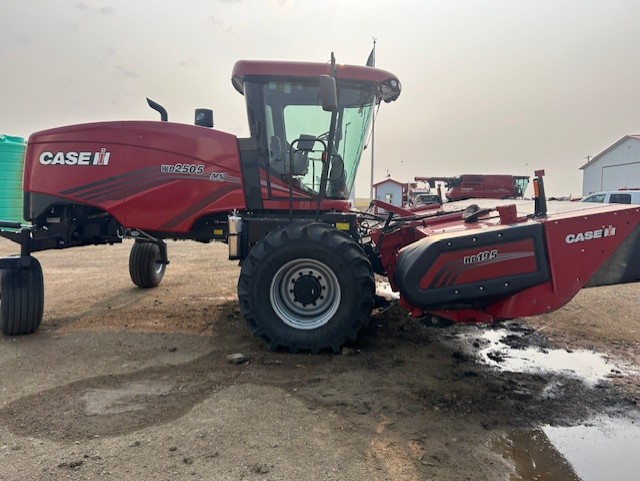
(590, 235)
(75, 158)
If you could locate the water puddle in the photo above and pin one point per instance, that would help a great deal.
(506, 351)
(605, 448)
(534, 458)
(602, 449)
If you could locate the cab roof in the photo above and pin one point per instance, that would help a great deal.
(388, 84)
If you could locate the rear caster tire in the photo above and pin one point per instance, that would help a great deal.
(21, 299)
(308, 286)
(145, 264)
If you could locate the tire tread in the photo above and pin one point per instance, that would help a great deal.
(142, 261)
(22, 299)
(338, 241)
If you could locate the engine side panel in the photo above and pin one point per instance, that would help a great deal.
(173, 176)
(157, 176)
(57, 161)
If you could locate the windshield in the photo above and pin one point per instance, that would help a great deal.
(297, 132)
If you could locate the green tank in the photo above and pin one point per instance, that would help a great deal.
(11, 165)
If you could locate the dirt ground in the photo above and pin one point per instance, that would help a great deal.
(122, 383)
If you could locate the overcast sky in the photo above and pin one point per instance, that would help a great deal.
(488, 86)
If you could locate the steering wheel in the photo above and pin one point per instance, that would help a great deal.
(325, 136)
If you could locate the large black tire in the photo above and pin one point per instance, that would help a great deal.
(308, 286)
(145, 264)
(21, 299)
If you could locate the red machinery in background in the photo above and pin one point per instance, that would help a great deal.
(480, 186)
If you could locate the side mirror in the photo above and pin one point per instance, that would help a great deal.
(328, 93)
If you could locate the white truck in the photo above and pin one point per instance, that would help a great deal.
(623, 196)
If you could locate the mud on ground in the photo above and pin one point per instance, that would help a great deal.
(123, 383)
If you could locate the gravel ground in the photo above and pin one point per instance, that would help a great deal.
(122, 383)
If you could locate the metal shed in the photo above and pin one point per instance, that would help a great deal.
(618, 166)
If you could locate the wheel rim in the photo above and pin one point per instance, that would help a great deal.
(305, 294)
(159, 267)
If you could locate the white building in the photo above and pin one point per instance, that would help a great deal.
(616, 167)
(390, 191)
